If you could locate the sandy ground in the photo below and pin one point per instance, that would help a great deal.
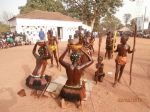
(17, 63)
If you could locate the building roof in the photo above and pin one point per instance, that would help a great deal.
(38, 14)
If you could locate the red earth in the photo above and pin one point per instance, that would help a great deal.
(18, 62)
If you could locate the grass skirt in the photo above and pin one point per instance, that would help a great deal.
(73, 93)
(37, 82)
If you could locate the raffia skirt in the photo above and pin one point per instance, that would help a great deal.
(37, 82)
(72, 93)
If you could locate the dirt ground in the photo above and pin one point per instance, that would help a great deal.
(18, 62)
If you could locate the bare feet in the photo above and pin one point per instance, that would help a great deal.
(62, 103)
(78, 104)
(34, 93)
(51, 65)
(115, 84)
(57, 66)
(53, 95)
(85, 99)
(119, 81)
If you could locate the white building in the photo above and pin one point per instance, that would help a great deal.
(142, 24)
(32, 22)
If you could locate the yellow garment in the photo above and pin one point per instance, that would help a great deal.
(76, 47)
(121, 60)
(115, 35)
(52, 47)
(114, 39)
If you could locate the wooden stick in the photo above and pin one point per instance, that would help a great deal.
(135, 32)
(99, 44)
(114, 39)
(44, 90)
(58, 57)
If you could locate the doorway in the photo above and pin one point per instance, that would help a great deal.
(60, 32)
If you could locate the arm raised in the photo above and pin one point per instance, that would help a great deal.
(87, 64)
(61, 59)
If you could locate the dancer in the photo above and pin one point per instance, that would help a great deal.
(73, 90)
(38, 80)
(52, 45)
(121, 58)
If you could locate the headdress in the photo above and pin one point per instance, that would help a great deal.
(74, 57)
(41, 50)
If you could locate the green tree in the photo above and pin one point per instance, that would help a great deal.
(133, 22)
(45, 5)
(90, 11)
(127, 17)
(4, 27)
(110, 22)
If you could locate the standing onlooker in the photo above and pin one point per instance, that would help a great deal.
(41, 34)
(109, 45)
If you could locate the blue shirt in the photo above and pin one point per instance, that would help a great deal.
(41, 35)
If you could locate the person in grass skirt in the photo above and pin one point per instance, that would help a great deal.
(38, 80)
(73, 90)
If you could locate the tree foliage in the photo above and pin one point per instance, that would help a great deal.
(110, 22)
(91, 10)
(88, 11)
(4, 27)
(127, 17)
(45, 5)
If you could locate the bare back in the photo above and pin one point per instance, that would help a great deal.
(73, 75)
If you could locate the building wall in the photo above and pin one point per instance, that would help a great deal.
(12, 25)
(146, 25)
(141, 24)
(31, 27)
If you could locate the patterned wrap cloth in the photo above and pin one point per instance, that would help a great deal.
(121, 60)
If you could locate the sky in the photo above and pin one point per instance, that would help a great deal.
(11, 6)
(134, 8)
